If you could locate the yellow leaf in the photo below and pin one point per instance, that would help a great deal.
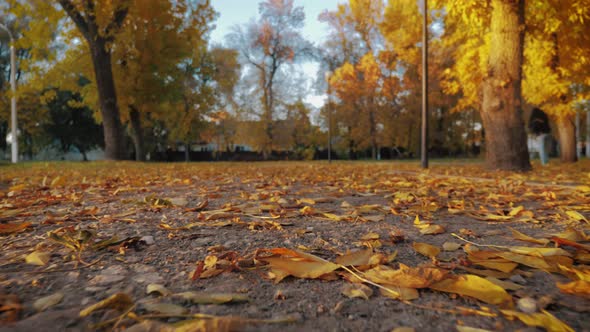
(573, 234)
(38, 258)
(532, 261)
(334, 217)
(542, 319)
(357, 290)
(357, 258)
(426, 249)
(432, 230)
(120, 301)
(370, 236)
(400, 293)
(523, 237)
(575, 215)
(157, 288)
(58, 181)
(578, 287)
(408, 277)
(306, 201)
(285, 262)
(470, 329)
(18, 187)
(516, 210)
(474, 286)
(539, 252)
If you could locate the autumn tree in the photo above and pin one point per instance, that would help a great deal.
(488, 72)
(267, 47)
(99, 22)
(556, 62)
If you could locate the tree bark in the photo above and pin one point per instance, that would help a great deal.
(137, 134)
(187, 151)
(506, 145)
(566, 130)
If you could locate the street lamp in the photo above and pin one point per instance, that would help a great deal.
(13, 127)
(424, 143)
(329, 109)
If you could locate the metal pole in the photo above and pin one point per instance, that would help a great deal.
(424, 143)
(13, 126)
(329, 109)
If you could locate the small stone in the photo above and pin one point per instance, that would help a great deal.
(73, 275)
(148, 278)
(148, 239)
(309, 229)
(527, 305)
(106, 279)
(93, 289)
(517, 278)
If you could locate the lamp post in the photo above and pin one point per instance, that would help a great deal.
(13, 126)
(329, 109)
(424, 145)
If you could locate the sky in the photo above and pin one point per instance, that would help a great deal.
(232, 12)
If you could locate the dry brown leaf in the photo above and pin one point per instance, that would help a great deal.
(119, 301)
(357, 290)
(426, 249)
(288, 262)
(14, 228)
(405, 276)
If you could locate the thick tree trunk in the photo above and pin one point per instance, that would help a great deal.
(137, 134)
(566, 130)
(113, 130)
(506, 145)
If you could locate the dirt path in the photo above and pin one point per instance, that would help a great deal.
(162, 220)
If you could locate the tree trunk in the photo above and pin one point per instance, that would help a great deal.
(506, 145)
(137, 134)
(187, 151)
(84, 156)
(107, 95)
(566, 130)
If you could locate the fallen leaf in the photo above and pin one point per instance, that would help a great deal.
(405, 276)
(451, 246)
(284, 262)
(543, 319)
(48, 301)
(357, 290)
(38, 258)
(156, 288)
(523, 237)
(509, 285)
(14, 228)
(426, 249)
(212, 298)
(165, 308)
(120, 301)
(476, 287)
(577, 216)
(578, 287)
(357, 258)
(461, 328)
(400, 293)
(432, 230)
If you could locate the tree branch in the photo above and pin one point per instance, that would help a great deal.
(118, 18)
(76, 16)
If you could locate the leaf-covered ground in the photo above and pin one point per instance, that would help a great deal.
(293, 246)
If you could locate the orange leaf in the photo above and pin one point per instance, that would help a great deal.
(13, 228)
